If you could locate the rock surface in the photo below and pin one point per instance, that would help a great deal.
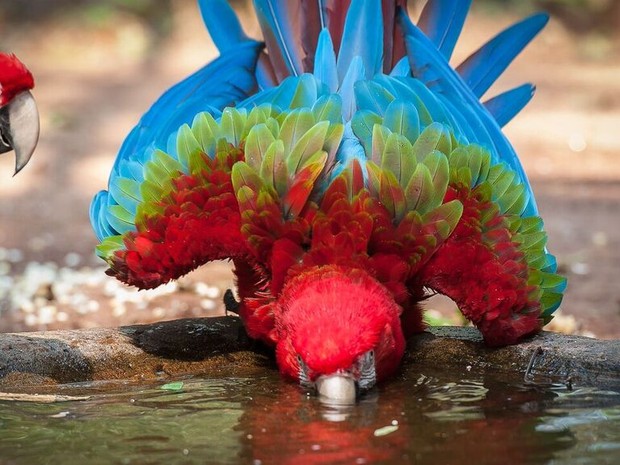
(31, 362)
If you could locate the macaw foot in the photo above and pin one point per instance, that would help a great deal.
(230, 303)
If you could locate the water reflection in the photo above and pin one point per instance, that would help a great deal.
(425, 417)
(435, 422)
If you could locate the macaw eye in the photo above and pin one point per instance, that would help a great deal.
(368, 375)
(304, 377)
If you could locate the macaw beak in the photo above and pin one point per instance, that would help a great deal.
(339, 388)
(19, 128)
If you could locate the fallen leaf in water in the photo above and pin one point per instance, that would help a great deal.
(176, 386)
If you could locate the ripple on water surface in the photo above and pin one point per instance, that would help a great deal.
(424, 417)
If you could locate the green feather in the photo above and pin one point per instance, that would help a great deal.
(514, 200)
(258, 115)
(402, 118)
(302, 184)
(332, 141)
(232, 123)
(150, 191)
(257, 143)
(328, 108)
(206, 131)
(188, 148)
(396, 150)
(531, 224)
(372, 96)
(419, 191)
(109, 246)
(363, 124)
(156, 173)
(374, 179)
(295, 125)
(126, 192)
(122, 214)
(439, 169)
(449, 212)
(433, 137)
(266, 170)
(392, 196)
(380, 135)
(170, 165)
(307, 145)
(243, 175)
(280, 172)
(502, 182)
(306, 92)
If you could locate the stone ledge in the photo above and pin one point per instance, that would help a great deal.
(218, 346)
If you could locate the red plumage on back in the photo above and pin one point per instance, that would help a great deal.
(14, 78)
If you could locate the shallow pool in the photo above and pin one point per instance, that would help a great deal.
(423, 417)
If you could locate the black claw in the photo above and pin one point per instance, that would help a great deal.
(528, 377)
(230, 303)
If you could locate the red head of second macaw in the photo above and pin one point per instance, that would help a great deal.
(19, 117)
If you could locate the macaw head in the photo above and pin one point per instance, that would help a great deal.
(19, 118)
(339, 332)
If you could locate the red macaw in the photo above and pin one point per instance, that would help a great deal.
(347, 171)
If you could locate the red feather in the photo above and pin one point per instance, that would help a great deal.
(14, 78)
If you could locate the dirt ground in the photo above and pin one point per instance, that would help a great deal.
(95, 80)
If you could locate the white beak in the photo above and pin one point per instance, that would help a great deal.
(338, 388)
(19, 128)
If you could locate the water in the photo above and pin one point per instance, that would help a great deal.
(423, 417)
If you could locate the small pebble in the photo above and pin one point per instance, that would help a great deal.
(47, 314)
(14, 255)
(118, 310)
(600, 239)
(580, 268)
(72, 259)
(208, 304)
(159, 312)
(577, 142)
(5, 268)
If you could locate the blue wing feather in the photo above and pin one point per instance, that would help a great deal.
(225, 81)
(278, 20)
(429, 65)
(364, 19)
(505, 106)
(442, 22)
(222, 24)
(484, 66)
(325, 61)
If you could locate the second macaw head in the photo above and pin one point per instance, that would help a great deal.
(339, 332)
(19, 117)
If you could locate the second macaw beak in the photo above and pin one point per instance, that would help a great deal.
(19, 128)
(339, 388)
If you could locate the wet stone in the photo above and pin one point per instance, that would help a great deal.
(219, 346)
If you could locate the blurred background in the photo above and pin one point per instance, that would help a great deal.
(99, 65)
